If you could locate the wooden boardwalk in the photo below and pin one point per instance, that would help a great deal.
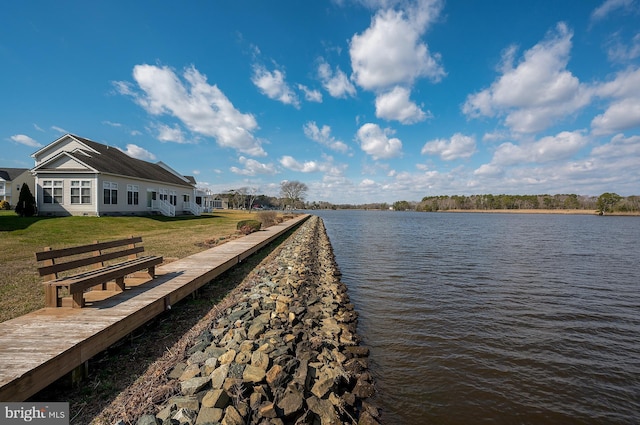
(40, 347)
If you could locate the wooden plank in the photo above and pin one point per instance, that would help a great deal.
(83, 249)
(81, 262)
(38, 348)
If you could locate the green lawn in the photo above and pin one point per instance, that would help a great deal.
(21, 290)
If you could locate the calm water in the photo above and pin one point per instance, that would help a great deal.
(496, 318)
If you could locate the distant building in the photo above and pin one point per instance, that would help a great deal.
(12, 181)
(77, 176)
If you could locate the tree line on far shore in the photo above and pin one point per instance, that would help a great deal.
(605, 203)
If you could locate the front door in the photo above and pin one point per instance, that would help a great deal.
(152, 195)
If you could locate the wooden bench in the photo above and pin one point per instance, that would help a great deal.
(92, 256)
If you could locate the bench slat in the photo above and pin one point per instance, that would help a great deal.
(60, 267)
(82, 249)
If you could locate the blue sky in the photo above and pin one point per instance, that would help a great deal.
(362, 100)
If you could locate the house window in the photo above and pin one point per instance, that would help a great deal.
(52, 191)
(80, 191)
(185, 197)
(132, 194)
(110, 190)
(173, 198)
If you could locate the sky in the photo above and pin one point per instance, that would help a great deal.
(362, 100)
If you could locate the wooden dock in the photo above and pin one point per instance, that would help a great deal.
(40, 347)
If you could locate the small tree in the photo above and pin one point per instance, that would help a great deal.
(26, 206)
(606, 201)
(401, 205)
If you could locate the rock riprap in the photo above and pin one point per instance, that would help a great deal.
(286, 353)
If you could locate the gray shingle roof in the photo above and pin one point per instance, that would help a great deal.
(113, 161)
(9, 174)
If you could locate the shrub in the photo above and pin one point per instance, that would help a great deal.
(248, 226)
(4, 205)
(26, 206)
(268, 218)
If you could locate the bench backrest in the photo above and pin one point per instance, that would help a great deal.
(52, 267)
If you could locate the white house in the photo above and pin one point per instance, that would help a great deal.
(77, 176)
(12, 181)
(208, 201)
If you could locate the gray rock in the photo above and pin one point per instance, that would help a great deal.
(197, 358)
(147, 420)
(209, 415)
(190, 371)
(185, 416)
(236, 370)
(219, 375)
(177, 371)
(188, 402)
(194, 385)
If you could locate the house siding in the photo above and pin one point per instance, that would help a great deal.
(67, 144)
(66, 207)
(11, 192)
(123, 208)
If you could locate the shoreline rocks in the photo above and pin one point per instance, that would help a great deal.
(286, 353)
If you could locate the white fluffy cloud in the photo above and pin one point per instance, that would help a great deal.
(391, 52)
(608, 7)
(170, 134)
(25, 140)
(201, 107)
(137, 152)
(335, 82)
(538, 91)
(310, 95)
(619, 147)
(304, 167)
(324, 137)
(331, 170)
(619, 51)
(273, 85)
(377, 143)
(395, 105)
(619, 116)
(251, 167)
(551, 148)
(458, 146)
(624, 111)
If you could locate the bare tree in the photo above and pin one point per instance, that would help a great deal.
(292, 192)
(251, 194)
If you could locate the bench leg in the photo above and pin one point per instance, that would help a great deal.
(120, 284)
(152, 272)
(78, 300)
(51, 297)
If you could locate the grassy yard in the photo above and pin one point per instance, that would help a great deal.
(21, 288)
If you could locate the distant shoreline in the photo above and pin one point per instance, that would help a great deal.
(513, 211)
(544, 211)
